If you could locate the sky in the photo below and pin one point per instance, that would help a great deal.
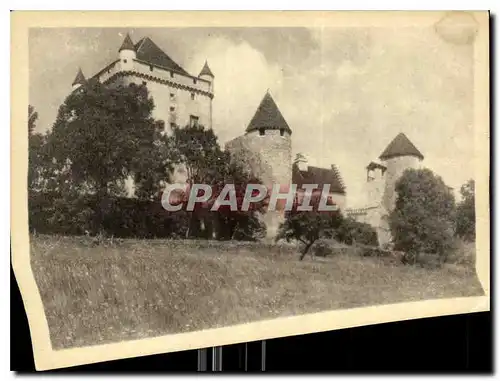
(345, 92)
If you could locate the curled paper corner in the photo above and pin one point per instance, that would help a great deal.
(457, 27)
(483, 305)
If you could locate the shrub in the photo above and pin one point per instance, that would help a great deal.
(49, 213)
(422, 220)
(353, 231)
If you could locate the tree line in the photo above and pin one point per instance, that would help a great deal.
(103, 136)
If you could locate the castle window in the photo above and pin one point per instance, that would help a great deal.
(171, 74)
(124, 61)
(194, 81)
(172, 108)
(192, 96)
(370, 176)
(151, 67)
(172, 125)
(172, 96)
(282, 132)
(144, 83)
(262, 132)
(193, 121)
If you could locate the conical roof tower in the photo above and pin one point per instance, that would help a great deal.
(206, 71)
(127, 44)
(79, 79)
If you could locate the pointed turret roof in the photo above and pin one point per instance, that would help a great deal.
(79, 79)
(401, 146)
(206, 71)
(268, 116)
(127, 44)
(148, 51)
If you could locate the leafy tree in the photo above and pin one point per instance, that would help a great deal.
(422, 220)
(309, 226)
(32, 119)
(466, 212)
(198, 151)
(103, 135)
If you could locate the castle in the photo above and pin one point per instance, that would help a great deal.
(180, 98)
(265, 146)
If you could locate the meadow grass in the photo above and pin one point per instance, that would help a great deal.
(144, 288)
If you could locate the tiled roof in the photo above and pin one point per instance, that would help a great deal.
(127, 44)
(206, 71)
(79, 79)
(374, 165)
(268, 116)
(320, 176)
(148, 51)
(400, 146)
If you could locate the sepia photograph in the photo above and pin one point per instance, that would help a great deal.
(187, 177)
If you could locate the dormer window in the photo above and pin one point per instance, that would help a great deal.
(262, 131)
(282, 132)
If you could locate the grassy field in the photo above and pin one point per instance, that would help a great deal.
(136, 289)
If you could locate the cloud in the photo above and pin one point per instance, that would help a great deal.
(242, 77)
(345, 92)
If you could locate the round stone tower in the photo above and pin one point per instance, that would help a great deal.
(127, 54)
(399, 155)
(266, 148)
(207, 75)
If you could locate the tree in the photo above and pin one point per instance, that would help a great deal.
(466, 212)
(37, 160)
(103, 135)
(422, 220)
(299, 158)
(309, 226)
(198, 151)
(32, 119)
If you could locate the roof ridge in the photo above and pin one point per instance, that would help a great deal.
(148, 51)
